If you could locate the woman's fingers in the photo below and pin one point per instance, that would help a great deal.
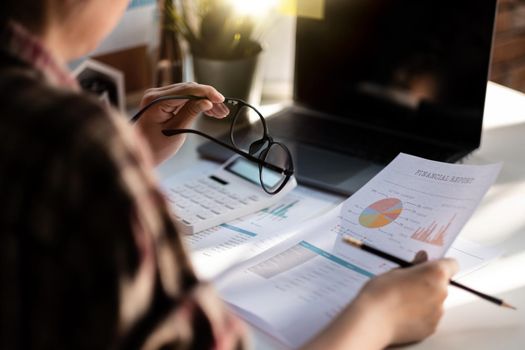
(176, 113)
(185, 89)
(410, 301)
(219, 110)
(450, 266)
(187, 112)
(420, 257)
(169, 108)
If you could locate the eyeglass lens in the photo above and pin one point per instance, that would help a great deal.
(276, 155)
(246, 136)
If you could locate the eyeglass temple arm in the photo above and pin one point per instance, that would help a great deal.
(173, 132)
(193, 97)
(161, 99)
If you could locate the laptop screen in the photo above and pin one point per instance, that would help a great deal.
(408, 67)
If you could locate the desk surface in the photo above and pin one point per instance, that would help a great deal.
(499, 221)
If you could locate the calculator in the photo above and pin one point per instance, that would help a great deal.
(230, 192)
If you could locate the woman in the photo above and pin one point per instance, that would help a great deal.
(89, 255)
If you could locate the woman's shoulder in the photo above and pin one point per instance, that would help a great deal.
(28, 95)
(42, 126)
(33, 108)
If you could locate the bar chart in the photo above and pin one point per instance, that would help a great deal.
(279, 212)
(431, 234)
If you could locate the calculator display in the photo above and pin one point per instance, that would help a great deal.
(250, 171)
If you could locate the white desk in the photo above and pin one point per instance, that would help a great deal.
(469, 322)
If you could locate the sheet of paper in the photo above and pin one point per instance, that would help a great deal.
(219, 248)
(471, 256)
(307, 282)
(415, 204)
(296, 288)
(293, 290)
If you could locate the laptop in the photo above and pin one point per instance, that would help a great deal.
(376, 78)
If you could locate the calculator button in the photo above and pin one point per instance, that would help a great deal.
(218, 210)
(200, 188)
(233, 203)
(211, 213)
(181, 205)
(208, 202)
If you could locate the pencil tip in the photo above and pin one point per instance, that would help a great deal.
(504, 304)
(352, 241)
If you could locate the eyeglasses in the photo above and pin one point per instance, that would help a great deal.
(254, 143)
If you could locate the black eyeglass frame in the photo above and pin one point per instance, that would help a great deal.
(256, 146)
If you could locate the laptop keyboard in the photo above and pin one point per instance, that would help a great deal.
(357, 141)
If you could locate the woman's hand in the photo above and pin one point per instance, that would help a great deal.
(401, 306)
(410, 301)
(176, 114)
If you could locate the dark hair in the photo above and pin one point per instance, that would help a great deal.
(29, 12)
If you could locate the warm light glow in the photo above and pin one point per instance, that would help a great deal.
(255, 8)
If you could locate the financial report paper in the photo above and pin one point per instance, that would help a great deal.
(413, 204)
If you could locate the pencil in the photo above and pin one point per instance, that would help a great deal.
(403, 263)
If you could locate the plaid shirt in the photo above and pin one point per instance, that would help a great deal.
(83, 225)
(24, 46)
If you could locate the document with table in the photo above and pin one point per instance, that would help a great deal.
(291, 256)
(216, 249)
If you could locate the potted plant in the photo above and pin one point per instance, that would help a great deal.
(224, 44)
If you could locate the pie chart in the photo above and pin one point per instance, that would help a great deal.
(381, 213)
